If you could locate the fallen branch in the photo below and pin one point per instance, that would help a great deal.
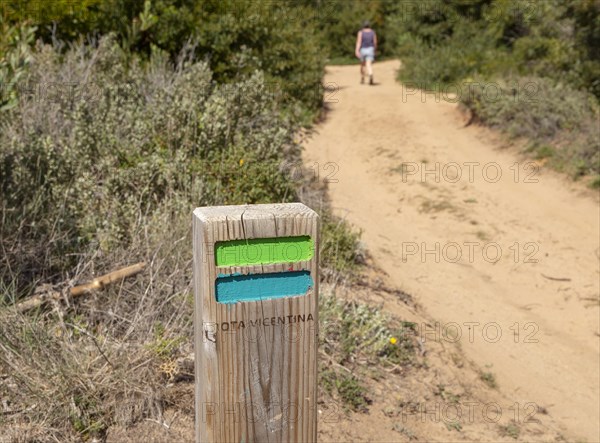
(47, 293)
(111, 277)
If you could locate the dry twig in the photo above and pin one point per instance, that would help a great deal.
(46, 292)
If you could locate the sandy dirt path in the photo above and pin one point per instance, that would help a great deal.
(508, 265)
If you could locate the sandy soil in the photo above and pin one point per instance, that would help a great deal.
(509, 267)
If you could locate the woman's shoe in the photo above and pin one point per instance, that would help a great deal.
(371, 80)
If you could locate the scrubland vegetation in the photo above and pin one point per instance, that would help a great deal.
(531, 69)
(109, 140)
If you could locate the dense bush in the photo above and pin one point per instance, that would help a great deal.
(129, 143)
(445, 41)
(338, 22)
(560, 121)
(340, 246)
(235, 37)
(110, 137)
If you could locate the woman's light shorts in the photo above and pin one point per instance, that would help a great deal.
(367, 54)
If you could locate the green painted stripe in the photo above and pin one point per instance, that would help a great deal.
(263, 251)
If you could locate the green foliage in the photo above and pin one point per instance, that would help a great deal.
(86, 417)
(339, 21)
(103, 169)
(15, 57)
(351, 329)
(107, 174)
(164, 346)
(276, 37)
(154, 139)
(349, 389)
(399, 349)
(235, 37)
(64, 19)
(448, 41)
(586, 18)
(560, 121)
(340, 249)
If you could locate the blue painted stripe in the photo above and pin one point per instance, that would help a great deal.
(254, 287)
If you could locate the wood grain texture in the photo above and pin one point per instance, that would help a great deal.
(256, 381)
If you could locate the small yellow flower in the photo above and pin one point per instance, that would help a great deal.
(241, 162)
(393, 340)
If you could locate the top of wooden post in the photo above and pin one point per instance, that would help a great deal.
(220, 213)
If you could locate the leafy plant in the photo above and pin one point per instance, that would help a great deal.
(15, 57)
(348, 387)
(340, 247)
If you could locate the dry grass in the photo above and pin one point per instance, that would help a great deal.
(75, 369)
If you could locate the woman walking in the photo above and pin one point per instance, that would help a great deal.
(366, 45)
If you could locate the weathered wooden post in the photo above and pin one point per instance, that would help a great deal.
(256, 320)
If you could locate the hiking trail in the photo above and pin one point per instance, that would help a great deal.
(509, 265)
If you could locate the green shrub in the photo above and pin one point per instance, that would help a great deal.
(541, 56)
(445, 42)
(15, 56)
(347, 387)
(560, 122)
(235, 37)
(104, 176)
(351, 330)
(134, 142)
(104, 168)
(340, 248)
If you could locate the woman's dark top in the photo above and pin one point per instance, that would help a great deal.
(368, 39)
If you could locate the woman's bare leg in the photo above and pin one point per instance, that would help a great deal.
(362, 71)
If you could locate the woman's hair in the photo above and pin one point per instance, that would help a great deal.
(366, 24)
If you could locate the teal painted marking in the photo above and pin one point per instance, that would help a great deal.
(254, 287)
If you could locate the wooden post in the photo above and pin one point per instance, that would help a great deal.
(256, 321)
